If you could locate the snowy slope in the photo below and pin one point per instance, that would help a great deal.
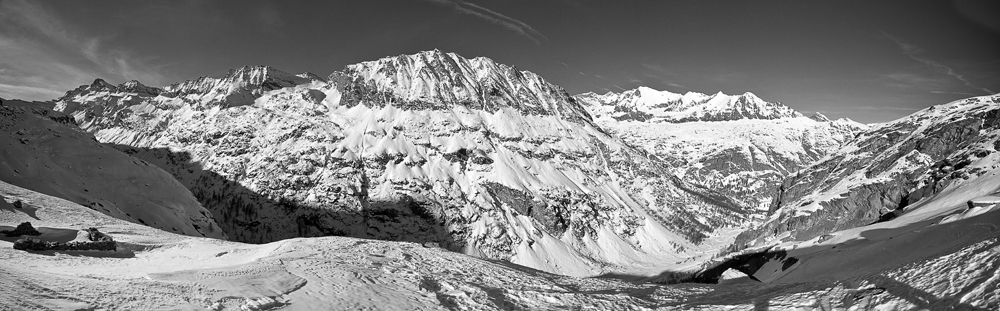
(471, 154)
(889, 171)
(156, 269)
(741, 145)
(45, 151)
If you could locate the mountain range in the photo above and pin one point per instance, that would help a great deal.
(484, 159)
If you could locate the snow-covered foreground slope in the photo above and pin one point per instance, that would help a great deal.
(45, 151)
(432, 147)
(155, 269)
(889, 171)
(739, 145)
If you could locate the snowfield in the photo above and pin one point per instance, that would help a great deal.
(935, 267)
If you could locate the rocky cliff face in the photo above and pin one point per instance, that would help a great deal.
(740, 145)
(881, 173)
(43, 150)
(474, 155)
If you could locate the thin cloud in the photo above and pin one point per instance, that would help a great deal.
(958, 93)
(913, 51)
(676, 85)
(910, 80)
(42, 56)
(888, 108)
(606, 90)
(491, 16)
(665, 81)
(659, 71)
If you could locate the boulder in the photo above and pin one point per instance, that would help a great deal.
(24, 228)
(97, 236)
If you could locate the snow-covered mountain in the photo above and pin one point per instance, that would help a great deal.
(646, 104)
(739, 145)
(45, 151)
(429, 147)
(893, 169)
(482, 158)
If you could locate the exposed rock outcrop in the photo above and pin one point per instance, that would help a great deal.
(37, 245)
(23, 228)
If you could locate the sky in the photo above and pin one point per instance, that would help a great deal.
(872, 61)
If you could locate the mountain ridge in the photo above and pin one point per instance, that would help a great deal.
(476, 155)
(742, 152)
(647, 104)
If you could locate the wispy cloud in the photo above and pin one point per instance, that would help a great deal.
(661, 74)
(914, 52)
(677, 85)
(599, 87)
(491, 16)
(660, 69)
(43, 57)
(912, 80)
(958, 93)
(883, 108)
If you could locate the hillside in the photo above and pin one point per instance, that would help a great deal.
(45, 151)
(891, 170)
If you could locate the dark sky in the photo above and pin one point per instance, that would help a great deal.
(872, 61)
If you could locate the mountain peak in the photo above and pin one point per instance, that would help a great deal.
(134, 86)
(434, 80)
(240, 86)
(647, 104)
(256, 74)
(101, 84)
(819, 117)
